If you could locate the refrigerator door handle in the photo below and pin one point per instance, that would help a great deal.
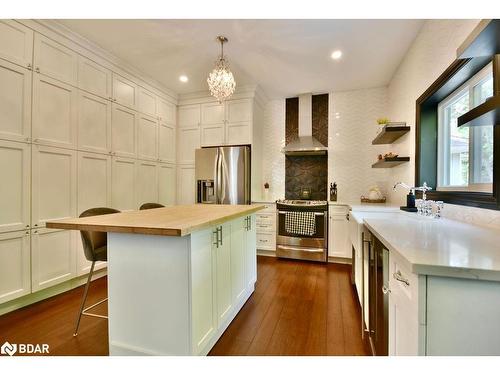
(217, 177)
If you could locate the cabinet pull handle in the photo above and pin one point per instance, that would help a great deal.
(219, 231)
(216, 232)
(37, 69)
(399, 277)
(385, 290)
(29, 67)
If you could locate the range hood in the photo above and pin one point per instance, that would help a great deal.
(305, 144)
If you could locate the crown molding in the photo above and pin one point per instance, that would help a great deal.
(59, 32)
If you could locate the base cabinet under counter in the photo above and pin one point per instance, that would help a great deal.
(437, 315)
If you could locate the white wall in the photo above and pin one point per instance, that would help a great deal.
(352, 125)
(433, 50)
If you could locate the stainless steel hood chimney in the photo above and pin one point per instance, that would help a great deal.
(305, 144)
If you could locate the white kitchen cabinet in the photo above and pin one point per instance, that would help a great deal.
(94, 78)
(94, 123)
(94, 190)
(239, 114)
(146, 183)
(265, 226)
(16, 43)
(94, 181)
(146, 102)
(55, 60)
(124, 91)
(147, 138)
(15, 102)
(15, 186)
(123, 186)
(54, 190)
(212, 124)
(238, 246)
(54, 112)
(203, 285)
(224, 290)
(166, 111)
(339, 244)
(123, 131)
(188, 140)
(251, 253)
(15, 265)
(166, 142)
(53, 259)
(186, 184)
(189, 116)
(166, 184)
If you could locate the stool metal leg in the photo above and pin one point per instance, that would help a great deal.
(84, 298)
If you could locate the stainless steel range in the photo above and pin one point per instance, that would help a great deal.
(289, 243)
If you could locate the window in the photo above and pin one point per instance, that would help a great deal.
(465, 154)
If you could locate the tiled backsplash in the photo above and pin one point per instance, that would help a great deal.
(306, 172)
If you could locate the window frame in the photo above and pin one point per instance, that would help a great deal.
(460, 71)
(466, 88)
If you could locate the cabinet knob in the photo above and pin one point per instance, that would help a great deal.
(37, 69)
(385, 290)
(29, 66)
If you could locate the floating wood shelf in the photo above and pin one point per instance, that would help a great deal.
(487, 113)
(389, 134)
(391, 162)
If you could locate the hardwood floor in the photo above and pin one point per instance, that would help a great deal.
(298, 308)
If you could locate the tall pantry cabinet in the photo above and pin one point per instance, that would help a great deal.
(76, 131)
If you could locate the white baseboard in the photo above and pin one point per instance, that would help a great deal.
(49, 292)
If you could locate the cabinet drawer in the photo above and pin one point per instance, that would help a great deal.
(401, 280)
(266, 241)
(338, 210)
(266, 218)
(265, 227)
(270, 209)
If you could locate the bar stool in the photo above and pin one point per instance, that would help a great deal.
(148, 206)
(95, 249)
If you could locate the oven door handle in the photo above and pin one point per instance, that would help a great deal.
(315, 214)
(297, 248)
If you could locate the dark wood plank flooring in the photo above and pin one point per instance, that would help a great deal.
(298, 308)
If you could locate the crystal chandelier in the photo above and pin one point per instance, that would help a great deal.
(221, 81)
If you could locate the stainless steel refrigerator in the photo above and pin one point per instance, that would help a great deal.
(222, 175)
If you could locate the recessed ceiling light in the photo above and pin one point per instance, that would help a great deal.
(183, 78)
(336, 54)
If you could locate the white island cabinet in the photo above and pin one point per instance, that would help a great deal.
(177, 276)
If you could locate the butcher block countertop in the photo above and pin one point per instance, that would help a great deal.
(168, 221)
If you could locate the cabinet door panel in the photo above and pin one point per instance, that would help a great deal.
(15, 169)
(188, 142)
(239, 110)
(94, 123)
(238, 133)
(146, 183)
(238, 252)
(189, 116)
(166, 184)
(251, 253)
(338, 237)
(94, 78)
(186, 189)
(166, 111)
(15, 264)
(123, 184)
(146, 102)
(224, 289)
(203, 291)
(212, 113)
(147, 138)
(54, 112)
(124, 91)
(16, 42)
(53, 184)
(94, 181)
(15, 102)
(123, 131)
(55, 60)
(212, 135)
(166, 143)
(52, 257)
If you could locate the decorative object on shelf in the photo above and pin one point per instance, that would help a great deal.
(368, 200)
(374, 196)
(382, 121)
(221, 80)
(333, 192)
(266, 191)
(390, 155)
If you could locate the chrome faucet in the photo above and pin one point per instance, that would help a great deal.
(424, 188)
(412, 189)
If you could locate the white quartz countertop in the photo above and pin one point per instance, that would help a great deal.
(439, 247)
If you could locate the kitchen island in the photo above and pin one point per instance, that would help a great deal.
(177, 276)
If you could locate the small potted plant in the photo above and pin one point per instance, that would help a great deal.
(266, 191)
(382, 121)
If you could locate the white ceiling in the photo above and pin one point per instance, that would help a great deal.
(284, 57)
